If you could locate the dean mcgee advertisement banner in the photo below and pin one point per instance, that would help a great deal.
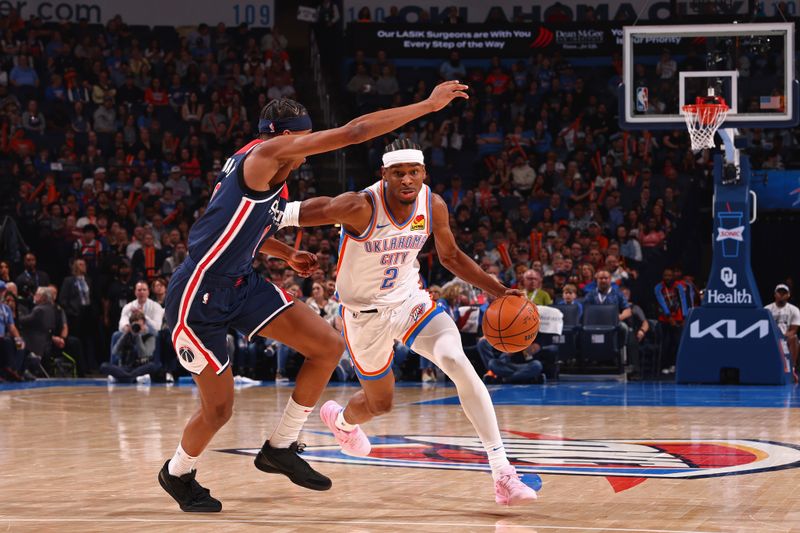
(480, 40)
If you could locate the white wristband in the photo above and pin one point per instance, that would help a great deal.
(291, 215)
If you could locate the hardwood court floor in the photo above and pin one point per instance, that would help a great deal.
(85, 458)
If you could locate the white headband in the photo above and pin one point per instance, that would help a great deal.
(403, 156)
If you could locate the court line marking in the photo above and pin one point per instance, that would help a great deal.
(349, 522)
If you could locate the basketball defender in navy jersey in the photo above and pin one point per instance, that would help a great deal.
(216, 288)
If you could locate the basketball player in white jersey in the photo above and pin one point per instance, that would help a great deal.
(383, 229)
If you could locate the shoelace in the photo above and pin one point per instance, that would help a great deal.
(198, 490)
(352, 436)
(297, 447)
(507, 480)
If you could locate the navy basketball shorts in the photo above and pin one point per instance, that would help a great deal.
(202, 307)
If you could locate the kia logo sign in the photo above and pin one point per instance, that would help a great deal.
(727, 329)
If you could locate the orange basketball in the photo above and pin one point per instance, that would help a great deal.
(511, 323)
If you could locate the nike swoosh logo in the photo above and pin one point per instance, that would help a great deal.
(381, 227)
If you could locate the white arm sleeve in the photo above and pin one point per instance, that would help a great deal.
(291, 215)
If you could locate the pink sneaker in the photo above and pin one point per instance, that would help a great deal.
(510, 490)
(353, 442)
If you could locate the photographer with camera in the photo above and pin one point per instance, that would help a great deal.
(132, 355)
(153, 313)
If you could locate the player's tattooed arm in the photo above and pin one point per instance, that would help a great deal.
(453, 258)
(352, 209)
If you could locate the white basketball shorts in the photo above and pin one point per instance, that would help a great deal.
(370, 336)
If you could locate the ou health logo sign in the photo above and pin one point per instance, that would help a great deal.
(624, 462)
(728, 277)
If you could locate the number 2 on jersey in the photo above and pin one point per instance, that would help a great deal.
(390, 274)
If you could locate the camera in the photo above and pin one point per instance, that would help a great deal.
(136, 327)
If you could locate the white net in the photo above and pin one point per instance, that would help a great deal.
(702, 121)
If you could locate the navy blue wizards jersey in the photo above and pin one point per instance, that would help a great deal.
(237, 221)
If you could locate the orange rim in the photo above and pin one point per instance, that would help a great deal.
(706, 113)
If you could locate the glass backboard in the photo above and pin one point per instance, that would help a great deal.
(750, 65)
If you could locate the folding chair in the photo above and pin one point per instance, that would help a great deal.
(599, 337)
(567, 342)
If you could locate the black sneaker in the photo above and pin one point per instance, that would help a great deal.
(190, 495)
(287, 461)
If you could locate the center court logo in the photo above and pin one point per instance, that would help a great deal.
(624, 462)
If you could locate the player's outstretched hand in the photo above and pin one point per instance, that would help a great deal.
(303, 263)
(514, 292)
(446, 92)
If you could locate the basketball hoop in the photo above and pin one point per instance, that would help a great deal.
(703, 118)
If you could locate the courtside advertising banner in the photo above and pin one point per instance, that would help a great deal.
(483, 40)
(259, 13)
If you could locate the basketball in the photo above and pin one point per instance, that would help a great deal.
(511, 323)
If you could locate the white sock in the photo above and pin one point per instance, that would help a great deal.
(440, 342)
(343, 424)
(290, 424)
(181, 463)
(497, 457)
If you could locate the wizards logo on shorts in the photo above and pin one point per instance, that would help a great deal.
(186, 354)
(418, 224)
(624, 462)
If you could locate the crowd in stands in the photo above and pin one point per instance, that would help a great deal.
(544, 187)
(112, 137)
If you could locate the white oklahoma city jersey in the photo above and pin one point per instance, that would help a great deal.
(379, 268)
